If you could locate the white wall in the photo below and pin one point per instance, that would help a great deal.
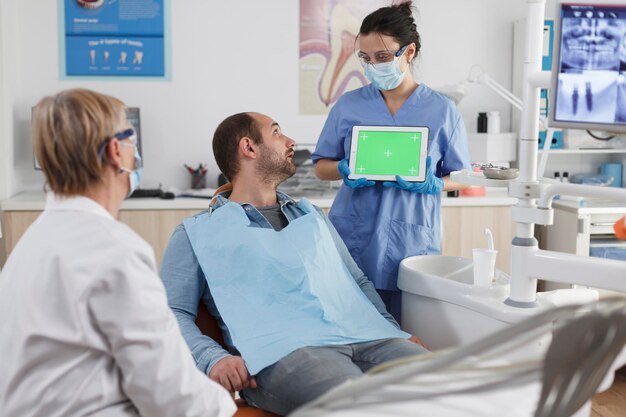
(229, 57)
(8, 86)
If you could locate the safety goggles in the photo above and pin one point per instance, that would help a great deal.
(128, 134)
(380, 57)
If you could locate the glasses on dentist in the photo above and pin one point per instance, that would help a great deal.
(380, 57)
(383, 71)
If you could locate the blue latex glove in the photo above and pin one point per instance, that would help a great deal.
(344, 170)
(431, 185)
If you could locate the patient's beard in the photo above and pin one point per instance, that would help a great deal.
(273, 167)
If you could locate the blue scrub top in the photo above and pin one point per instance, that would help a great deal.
(383, 225)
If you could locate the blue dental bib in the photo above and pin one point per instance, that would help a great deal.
(281, 291)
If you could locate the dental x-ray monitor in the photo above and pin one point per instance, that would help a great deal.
(132, 114)
(588, 86)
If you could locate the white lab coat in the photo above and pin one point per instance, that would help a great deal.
(85, 328)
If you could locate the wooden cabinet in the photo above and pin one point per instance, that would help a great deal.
(463, 220)
(15, 224)
(155, 226)
(463, 229)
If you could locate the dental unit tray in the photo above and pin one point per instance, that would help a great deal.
(465, 176)
(500, 173)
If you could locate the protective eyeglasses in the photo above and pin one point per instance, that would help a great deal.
(380, 57)
(128, 134)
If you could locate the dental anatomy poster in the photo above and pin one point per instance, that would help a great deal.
(328, 66)
(118, 38)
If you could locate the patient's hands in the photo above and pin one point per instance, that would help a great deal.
(232, 374)
(417, 341)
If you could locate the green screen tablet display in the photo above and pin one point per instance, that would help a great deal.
(381, 153)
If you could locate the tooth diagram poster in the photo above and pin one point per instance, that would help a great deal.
(114, 38)
(328, 66)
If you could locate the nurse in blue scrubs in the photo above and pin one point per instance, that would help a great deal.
(383, 223)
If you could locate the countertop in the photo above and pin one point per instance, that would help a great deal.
(35, 201)
(590, 206)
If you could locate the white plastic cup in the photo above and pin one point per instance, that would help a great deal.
(484, 266)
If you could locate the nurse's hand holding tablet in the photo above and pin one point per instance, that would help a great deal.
(344, 170)
(432, 185)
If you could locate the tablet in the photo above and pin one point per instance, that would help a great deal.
(382, 152)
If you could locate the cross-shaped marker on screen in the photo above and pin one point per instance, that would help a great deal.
(363, 136)
(412, 171)
(388, 153)
(415, 137)
(361, 169)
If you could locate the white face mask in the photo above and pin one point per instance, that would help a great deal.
(134, 176)
(385, 75)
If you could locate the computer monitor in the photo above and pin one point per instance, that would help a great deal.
(133, 116)
(588, 87)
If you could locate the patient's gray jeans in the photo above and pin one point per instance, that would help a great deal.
(306, 373)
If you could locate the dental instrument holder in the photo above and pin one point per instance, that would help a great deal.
(534, 206)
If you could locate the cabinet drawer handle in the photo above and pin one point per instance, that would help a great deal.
(603, 224)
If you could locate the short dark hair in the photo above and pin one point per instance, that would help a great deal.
(395, 21)
(226, 141)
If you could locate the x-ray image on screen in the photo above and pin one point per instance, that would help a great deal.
(592, 99)
(621, 99)
(591, 41)
(589, 89)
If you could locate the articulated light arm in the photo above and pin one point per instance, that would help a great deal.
(477, 75)
(540, 79)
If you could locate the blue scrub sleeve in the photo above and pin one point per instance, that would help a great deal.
(362, 281)
(185, 284)
(330, 143)
(456, 156)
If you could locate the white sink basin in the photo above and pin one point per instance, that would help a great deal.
(447, 274)
(454, 268)
(441, 305)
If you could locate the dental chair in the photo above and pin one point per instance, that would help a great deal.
(548, 365)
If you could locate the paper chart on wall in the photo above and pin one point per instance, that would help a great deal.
(328, 66)
(114, 38)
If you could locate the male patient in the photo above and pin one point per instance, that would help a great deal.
(298, 316)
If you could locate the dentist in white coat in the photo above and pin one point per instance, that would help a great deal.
(86, 329)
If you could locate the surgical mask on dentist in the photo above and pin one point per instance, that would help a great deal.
(385, 75)
(134, 176)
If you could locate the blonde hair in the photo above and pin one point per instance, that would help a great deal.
(68, 130)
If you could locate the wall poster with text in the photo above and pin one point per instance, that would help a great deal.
(120, 38)
(328, 66)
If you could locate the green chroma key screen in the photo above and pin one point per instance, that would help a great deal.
(388, 153)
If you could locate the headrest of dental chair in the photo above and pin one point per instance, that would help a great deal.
(226, 187)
